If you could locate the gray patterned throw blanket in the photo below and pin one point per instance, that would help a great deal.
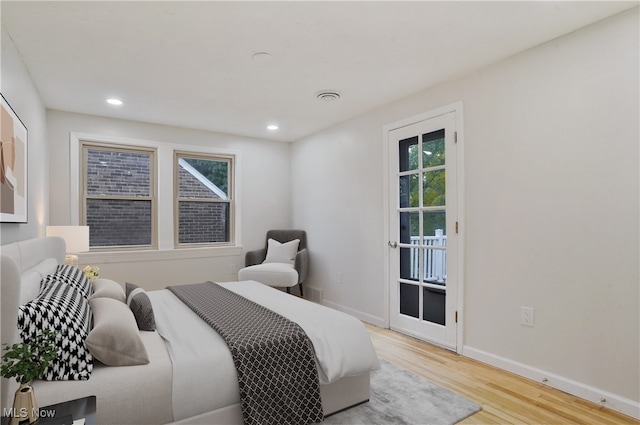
(274, 357)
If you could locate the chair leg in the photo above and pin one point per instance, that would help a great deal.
(301, 293)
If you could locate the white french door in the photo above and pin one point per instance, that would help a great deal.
(423, 225)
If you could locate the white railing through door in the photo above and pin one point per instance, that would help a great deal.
(435, 260)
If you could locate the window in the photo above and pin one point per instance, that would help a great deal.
(118, 195)
(154, 197)
(203, 205)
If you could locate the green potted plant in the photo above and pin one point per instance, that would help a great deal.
(26, 361)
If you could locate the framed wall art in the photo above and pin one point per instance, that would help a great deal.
(13, 166)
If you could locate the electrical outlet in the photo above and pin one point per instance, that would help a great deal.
(526, 316)
(232, 268)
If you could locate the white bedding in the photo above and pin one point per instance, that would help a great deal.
(341, 342)
(342, 345)
(196, 371)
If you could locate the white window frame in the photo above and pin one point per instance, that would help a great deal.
(86, 145)
(165, 200)
(226, 198)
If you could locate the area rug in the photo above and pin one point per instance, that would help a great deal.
(400, 397)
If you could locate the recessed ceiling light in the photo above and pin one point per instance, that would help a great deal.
(328, 95)
(272, 127)
(114, 101)
(261, 57)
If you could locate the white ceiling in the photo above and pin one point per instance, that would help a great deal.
(189, 64)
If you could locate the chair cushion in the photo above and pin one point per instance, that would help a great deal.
(272, 274)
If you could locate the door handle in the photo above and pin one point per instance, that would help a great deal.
(393, 244)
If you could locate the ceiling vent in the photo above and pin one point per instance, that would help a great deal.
(328, 95)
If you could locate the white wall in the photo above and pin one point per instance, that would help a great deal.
(18, 89)
(551, 145)
(264, 176)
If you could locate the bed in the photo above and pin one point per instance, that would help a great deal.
(190, 377)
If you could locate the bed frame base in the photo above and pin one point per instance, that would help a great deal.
(341, 395)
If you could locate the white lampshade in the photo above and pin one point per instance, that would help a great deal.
(75, 237)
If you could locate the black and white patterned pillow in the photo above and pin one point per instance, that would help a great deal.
(64, 310)
(71, 276)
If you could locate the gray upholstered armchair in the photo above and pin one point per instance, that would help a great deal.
(281, 263)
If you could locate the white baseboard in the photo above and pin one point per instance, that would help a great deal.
(578, 389)
(374, 320)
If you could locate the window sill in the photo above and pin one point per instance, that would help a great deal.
(107, 257)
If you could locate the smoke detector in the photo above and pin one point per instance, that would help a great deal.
(328, 95)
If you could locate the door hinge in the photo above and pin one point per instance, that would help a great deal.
(455, 137)
(456, 227)
(456, 317)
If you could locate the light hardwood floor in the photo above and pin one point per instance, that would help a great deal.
(505, 398)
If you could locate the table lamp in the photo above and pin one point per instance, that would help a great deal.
(76, 239)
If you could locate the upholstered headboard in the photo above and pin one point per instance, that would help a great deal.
(22, 266)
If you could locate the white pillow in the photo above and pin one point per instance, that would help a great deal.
(107, 288)
(282, 252)
(115, 339)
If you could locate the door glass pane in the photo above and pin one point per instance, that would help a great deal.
(434, 224)
(435, 260)
(433, 307)
(409, 191)
(409, 263)
(433, 149)
(433, 188)
(409, 300)
(410, 227)
(435, 266)
(408, 154)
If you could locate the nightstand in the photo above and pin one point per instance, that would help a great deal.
(67, 412)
